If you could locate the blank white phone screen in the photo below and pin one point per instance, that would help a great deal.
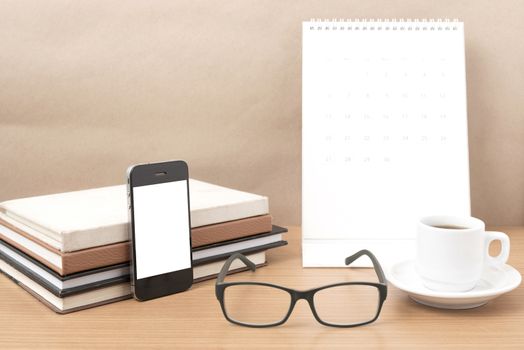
(161, 220)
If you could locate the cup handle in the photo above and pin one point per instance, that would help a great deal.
(499, 260)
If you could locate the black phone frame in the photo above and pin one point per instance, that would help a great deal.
(170, 282)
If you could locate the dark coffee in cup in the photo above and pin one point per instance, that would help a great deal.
(450, 227)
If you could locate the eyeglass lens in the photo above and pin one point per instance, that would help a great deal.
(344, 305)
(347, 304)
(256, 304)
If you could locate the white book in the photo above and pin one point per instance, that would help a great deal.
(89, 218)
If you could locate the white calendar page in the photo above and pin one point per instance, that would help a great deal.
(384, 135)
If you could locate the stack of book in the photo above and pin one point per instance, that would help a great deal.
(71, 250)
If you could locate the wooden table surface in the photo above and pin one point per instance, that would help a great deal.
(194, 319)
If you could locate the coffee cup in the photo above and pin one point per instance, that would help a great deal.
(452, 252)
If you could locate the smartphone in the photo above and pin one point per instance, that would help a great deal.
(160, 229)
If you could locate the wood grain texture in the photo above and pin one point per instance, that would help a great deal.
(194, 319)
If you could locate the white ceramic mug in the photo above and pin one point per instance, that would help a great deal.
(452, 252)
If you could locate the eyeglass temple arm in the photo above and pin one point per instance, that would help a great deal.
(376, 264)
(228, 263)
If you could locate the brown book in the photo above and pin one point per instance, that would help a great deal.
(87, 259)
(226, 231)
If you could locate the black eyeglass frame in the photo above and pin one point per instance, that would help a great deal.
(296, 295)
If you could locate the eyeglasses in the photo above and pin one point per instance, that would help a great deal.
(257, 304)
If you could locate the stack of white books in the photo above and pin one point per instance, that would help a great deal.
(71, 250)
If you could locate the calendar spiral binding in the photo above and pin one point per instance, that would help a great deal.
(386, 24)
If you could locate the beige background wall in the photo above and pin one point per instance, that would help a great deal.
(90, 87)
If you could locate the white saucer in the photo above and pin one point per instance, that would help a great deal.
(493, 283)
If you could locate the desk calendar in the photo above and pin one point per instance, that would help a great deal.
(384, 135)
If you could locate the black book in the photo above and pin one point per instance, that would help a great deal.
(203, 259)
